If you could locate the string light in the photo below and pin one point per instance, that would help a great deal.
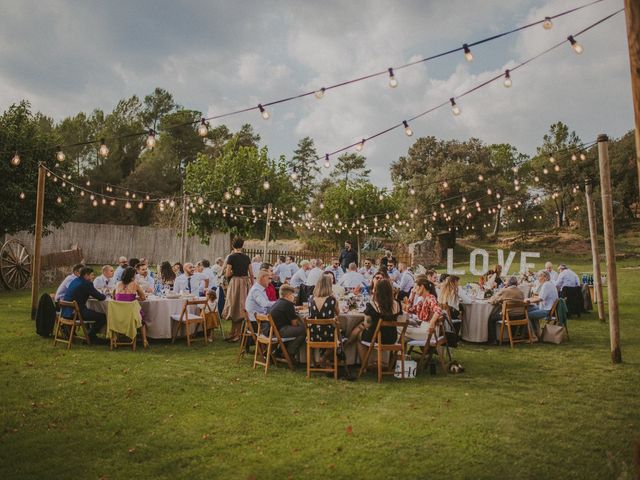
(59, 200)
(140, 205)
(327, 163)
(15, 160)
(583, 156)
(172, 203)
(151, 140)
(22, 195)
(480, 178)
(412, 191)
(294, 174)
(393, 81)
(454, 107)
(467, 53)
(265, 184)
(103, 150)
(360, 145)
(237, 191)
(507, 79)
(574, 157)
(407, 128)
(127, 205)
(263, 112)
(203, 128)
(320, 93)
(547, 24)
(227, 195)
(60, 156)
(200, 200)
(557, 168)
(575, 45)
(552, 159)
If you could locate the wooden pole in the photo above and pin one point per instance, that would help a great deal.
(632, 14)
(267, 232)
(595, 254)
(183, 229)
(37, 241)
(609, 246)
(359, 253)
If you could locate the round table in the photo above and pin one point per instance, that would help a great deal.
(475, 321)
(157, 313)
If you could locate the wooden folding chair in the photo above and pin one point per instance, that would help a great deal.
(248, 333)
(73, 324)
(393, 348)
(312, 346)
(456, 322)
(509, 322)
(264, 358)
(434, 342)
(186, 320)
(116, 340)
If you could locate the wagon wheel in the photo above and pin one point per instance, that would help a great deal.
(15, 265)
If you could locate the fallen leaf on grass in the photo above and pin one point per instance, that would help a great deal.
(322, 402)
(132, 450)
(349, 430)
(83, 382)
(205, 436)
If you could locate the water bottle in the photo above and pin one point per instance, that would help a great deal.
(158, 289)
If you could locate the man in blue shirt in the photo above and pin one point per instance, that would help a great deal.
(257, 300)
(80, 290)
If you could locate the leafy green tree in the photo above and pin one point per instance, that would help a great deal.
(351, 167)
(157, 105)
(305, 165)
(32, 136)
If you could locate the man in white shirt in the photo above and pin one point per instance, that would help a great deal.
(256, 261)
(143, 278)
(545, 299)
(122, 264)
(353, 278)
(315, 273)
(257, 301)
(552, 273)
(188, 281)
(336, 269)
(62, 289)
(406, 282)
(105, 280)
(300, 277)
(566, 277)
(209, 277)
(368, 271)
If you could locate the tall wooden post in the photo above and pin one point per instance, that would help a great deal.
(609, 246)
(267, 232)
(595, 254)
(37, 241)
(183, 229)
(632, 14)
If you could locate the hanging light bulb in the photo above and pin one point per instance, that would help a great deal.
(104, 201)
(294, 174)
(545, 170)
(360, 145)
(227, 196)
(393, 81)
(557, 168)
(263, 112)
(445, 184)
(381, 197)
(151, 140)
(412, 191)
(103, 150)
(467, 53)
(88, 184)
(140, 205)
(321, 206)
(172, 203)
(552, 159)
(236, 191)
(582, 156)
(507, 78)
(60, 156)
(200, 200)
(82, 193)
(22, 195)
(351, 201)
(15, 160)
(59, 200)
(547, 24)
(575, 45)
(203, 128)
(327, 163)
(454, 107)
(265, 183)
(489, 192)
(94, 203)
(127, 204)
(320, 93)
(480, 178)
(407, 128)
(574, 157)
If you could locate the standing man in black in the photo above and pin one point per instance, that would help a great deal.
(347, 256)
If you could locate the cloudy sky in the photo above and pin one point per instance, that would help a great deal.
(217, 56)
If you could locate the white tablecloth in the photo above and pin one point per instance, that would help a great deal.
(157, 314)
(475, 322)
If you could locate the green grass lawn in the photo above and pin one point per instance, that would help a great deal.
(541, 411)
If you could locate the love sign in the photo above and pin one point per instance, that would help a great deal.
(480, 268)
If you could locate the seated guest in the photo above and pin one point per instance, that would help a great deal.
(187, 282)
(381, 307)
(300, 277)
(280, 270)
(122, 264)
(80, 289)
(151, 274)
(335, 269)
(353, 278)
(271, 291)
(127, 290)
(143, 278)
(178, 269)
(425, 307)
(315, 273)
(323, 305)
(291, 265)
(287, 321)
(62, 289)
(368, 271)
(406, 282)
(498, 275)
(552, 273)
(384, 261)
(380, 275)
(453, 295)
(546, 297)
(257, 300)
(511, 292)
(133, 262)
(106, 280)
(566, 277)
(392, 271)
(167, 275)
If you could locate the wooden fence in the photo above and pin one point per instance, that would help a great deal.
(103, 244)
